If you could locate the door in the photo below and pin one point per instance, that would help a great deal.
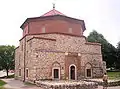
(72, 72)
(56, 73)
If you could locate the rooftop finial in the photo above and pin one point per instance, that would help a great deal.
(53, 5)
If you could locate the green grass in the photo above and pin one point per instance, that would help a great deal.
(2, 87)
(2, 83)
(113, 75)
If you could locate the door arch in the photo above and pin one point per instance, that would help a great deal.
(72, 72)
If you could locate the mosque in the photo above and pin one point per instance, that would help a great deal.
(53, 47)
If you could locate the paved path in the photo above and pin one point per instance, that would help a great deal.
(16, 84)
(116, 87)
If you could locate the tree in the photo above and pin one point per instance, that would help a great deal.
(7, 57)
(118, 56)
(108, 50)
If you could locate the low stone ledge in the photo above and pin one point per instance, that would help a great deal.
(66, 84)
(100, 82)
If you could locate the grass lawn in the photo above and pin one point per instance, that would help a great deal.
(1, 84)
(113, 75)
(2, 87)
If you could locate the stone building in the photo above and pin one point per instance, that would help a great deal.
(53, 47)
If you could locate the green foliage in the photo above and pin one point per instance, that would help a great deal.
(2, 83)
(108, 50)
(11, 76)
(7, 57)
(118, 56)
(113, 75)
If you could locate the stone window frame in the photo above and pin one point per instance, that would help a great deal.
(53, 72)
(75, 71)
(27, 72)
(88, 68)
(19, 72)
(56, 65)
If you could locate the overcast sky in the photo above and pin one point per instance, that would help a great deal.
(100, 15)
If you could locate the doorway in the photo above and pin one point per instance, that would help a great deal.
(72, 72)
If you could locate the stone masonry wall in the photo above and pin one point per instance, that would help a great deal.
(40, 54)
(40, 60)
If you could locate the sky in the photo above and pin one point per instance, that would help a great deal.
(100, 15)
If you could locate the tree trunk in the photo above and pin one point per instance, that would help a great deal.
(7, 72)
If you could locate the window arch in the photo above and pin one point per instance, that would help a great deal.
(56, 70)
(88, 70)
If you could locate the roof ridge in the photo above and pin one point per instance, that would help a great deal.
(53, 12)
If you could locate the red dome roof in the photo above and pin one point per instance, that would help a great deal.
(53, 12)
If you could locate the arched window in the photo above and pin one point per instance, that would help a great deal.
(56, 70)
(88, 70)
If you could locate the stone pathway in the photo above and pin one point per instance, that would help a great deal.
(116, 87)
(16, 84)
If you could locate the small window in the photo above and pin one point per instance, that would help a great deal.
(43, 29)
(19, 59)
(19, 72)
(26, 72)
(22, 47)
(30, 44)
(70, 30)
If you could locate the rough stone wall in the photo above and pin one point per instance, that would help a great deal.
(40, 54)
(69, 43)
(19, 60)
(16, 62)
(96, 61)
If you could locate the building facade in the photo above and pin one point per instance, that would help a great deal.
(53, 47)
